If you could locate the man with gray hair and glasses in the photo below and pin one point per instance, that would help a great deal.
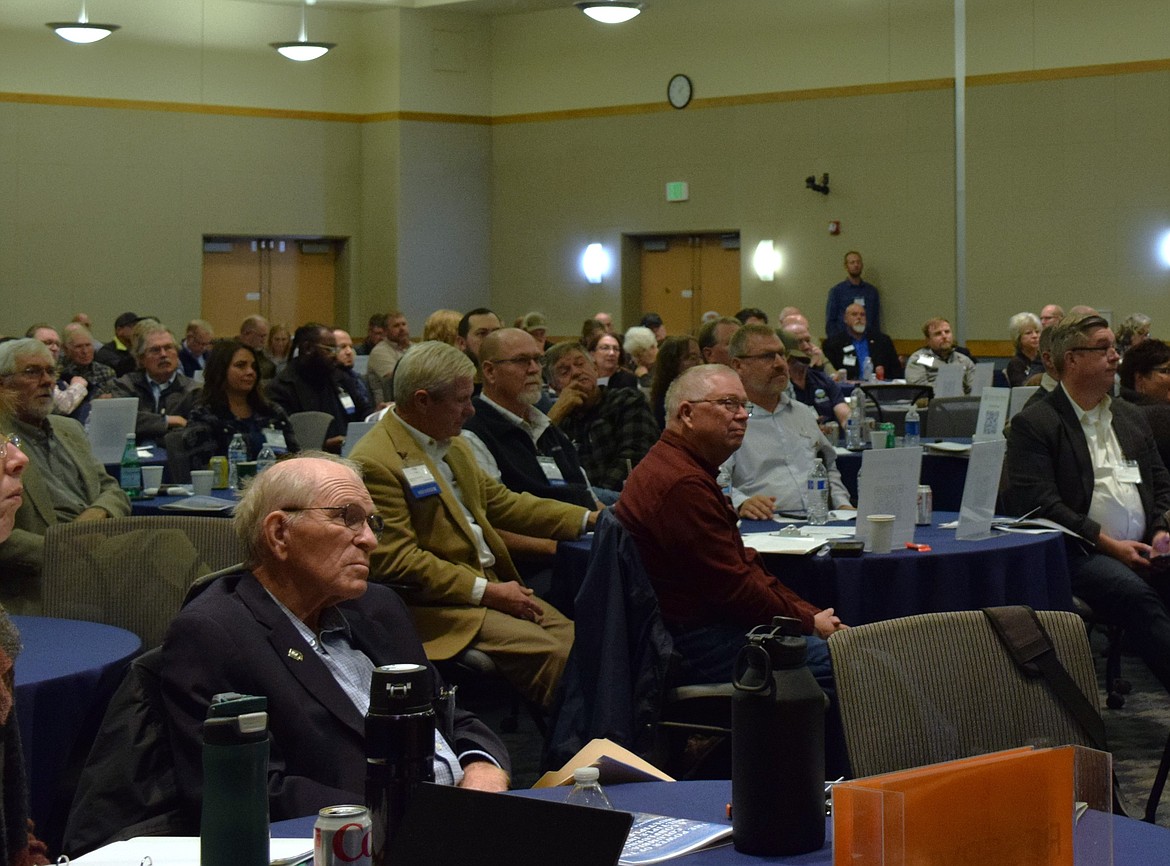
(301, 625)
(1089, 462)
(63, 482)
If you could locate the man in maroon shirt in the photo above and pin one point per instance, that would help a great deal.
(711, 589)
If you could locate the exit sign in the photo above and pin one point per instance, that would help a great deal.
(678, 190)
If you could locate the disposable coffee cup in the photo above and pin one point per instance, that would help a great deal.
(152, 477)
(881, 533)
(878, 438)
(201, 481)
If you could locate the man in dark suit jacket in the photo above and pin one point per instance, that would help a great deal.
(303, 628)
(1090, 463)
(847, 351)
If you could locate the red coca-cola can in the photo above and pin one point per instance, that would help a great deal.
(341, 836)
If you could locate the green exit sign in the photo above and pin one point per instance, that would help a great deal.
(678, 190)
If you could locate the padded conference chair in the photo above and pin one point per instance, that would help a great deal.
(310, 428)
(952, 416)
(132, 572)
(941, 686)
(617, 683)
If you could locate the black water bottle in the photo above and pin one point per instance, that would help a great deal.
(777, 745)
(233, 828)
(400, 747)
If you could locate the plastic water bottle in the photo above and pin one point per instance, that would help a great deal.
(913, 427)
(265, 458)
(237, 453)
(855, 426)
(233, 828)
(130, 476)
(816, 502)
(777, 745)
(867, 373)
(587, 790)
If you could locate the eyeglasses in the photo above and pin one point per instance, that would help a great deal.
(730, 403)
(7, 439)
(37, 372)
(161, 350)
(522, 360)
(352, 515)
(763, 356)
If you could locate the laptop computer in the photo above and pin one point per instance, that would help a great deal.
(110, 422)
(444, 825)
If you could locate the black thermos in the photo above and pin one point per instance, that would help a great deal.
(777, 745)
(400, 747)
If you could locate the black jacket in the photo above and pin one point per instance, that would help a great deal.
(294, 393)
(839, 351)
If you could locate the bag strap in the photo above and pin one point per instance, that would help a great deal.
(1028, 643)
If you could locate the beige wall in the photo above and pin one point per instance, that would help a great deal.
(105, 206)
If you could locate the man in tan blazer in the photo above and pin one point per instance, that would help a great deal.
(442, 548)
(63, 481)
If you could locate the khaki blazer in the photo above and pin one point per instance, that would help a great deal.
(428, 552)
(22, 556)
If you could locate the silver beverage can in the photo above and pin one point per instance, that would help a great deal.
(925, 505)
(342, 836)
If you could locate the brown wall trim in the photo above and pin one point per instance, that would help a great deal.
(992, 79)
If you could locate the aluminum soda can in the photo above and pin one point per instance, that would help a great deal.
(891, 439)
(925, 506)
(341, 836)
(219, 465)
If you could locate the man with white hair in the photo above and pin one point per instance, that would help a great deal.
(196, 348)
(443, 549)
(165, 395)
(711, 588)
(79, 362)
(63, 482)
(301, 625)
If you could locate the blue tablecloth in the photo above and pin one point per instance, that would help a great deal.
(65, 676)
(1133, 841)
(153, 507)
(953, 575)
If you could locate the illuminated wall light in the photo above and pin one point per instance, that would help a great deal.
(766, 261)
(1164, 249)
(595, 263)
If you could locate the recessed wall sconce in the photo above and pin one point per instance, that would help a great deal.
(766, 260)
(595, 263)
(81, 32)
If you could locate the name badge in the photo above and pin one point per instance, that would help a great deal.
(346, 401)
(1128, 473)
(420, 480)
(849, 349)
(274, 438)
(552, 472)
(925, 360)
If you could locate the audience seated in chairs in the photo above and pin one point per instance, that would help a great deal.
(164, 394)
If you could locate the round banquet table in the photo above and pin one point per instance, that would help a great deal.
(1133, 841)
(65, 676)
(954, 575)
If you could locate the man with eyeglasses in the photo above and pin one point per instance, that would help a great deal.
(768, 472)
(1089, 462)
(513, 441)
(63, 481)
(312, 382)
(165, 396)
(443, 548)
(303, 626)
(610, 428)
(711, 589)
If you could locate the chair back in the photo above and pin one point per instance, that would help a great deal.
(941, 686)
(952, 416)
(310, 428)
(132, 572)
(888, 395)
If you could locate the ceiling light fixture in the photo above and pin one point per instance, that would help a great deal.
(609, 11)
(303, 49)
(81, 32)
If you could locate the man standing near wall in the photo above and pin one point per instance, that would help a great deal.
(852, 290)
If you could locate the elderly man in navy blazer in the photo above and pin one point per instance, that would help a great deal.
(1090, 463)
(301, 626)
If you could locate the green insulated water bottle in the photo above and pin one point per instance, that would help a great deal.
(233, 830)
